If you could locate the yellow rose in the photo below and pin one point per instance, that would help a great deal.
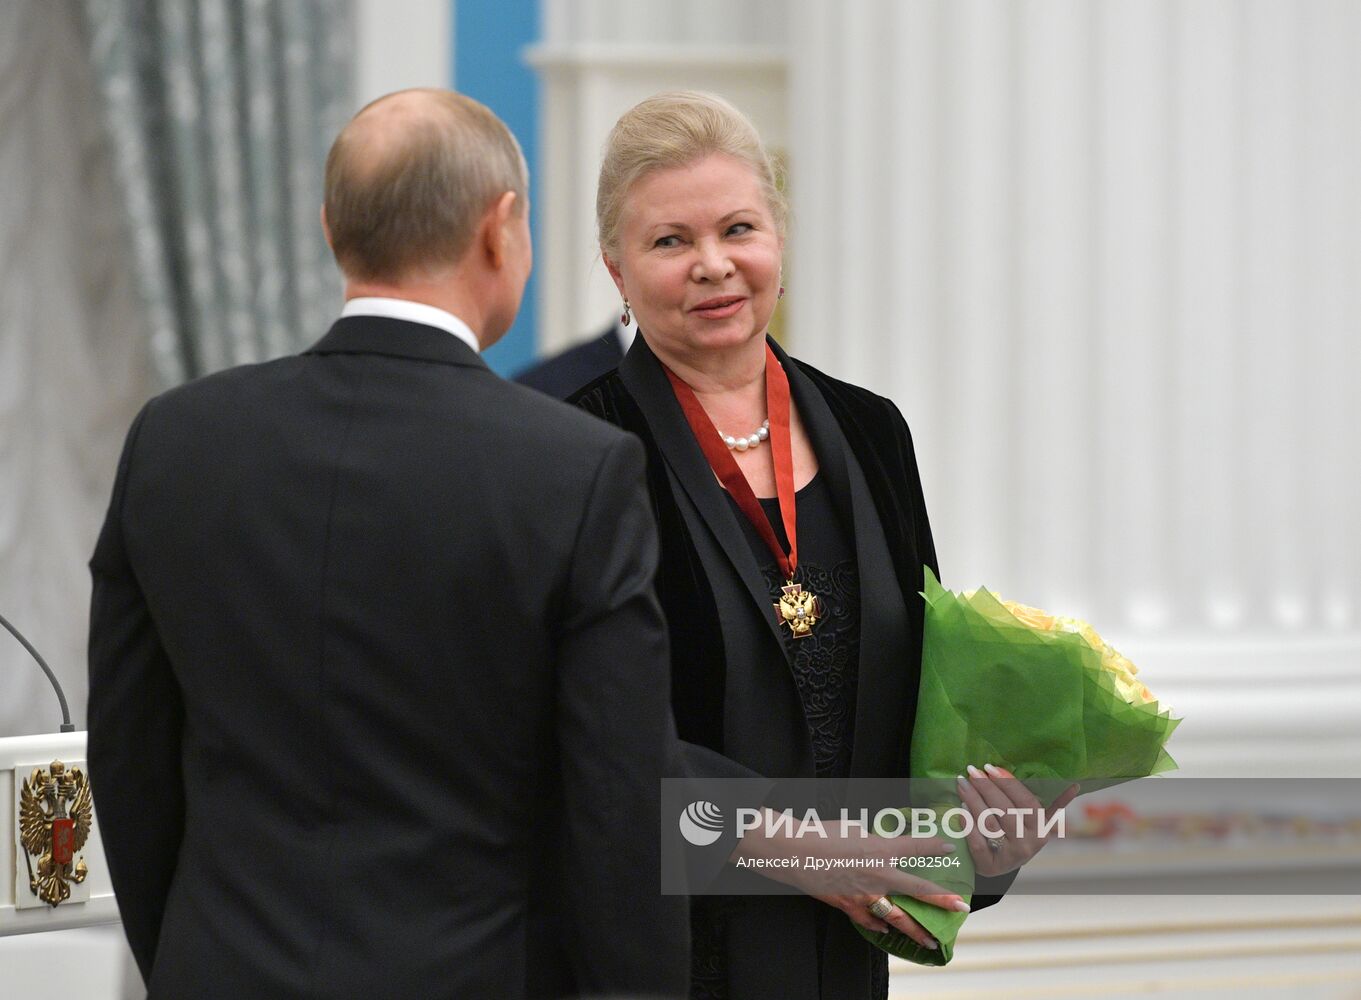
(1033, 617)
(1122, 671)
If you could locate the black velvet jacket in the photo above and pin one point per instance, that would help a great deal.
(865, 449)
(734, 697)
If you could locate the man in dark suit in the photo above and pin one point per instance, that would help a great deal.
(564, 373)
(378, 682)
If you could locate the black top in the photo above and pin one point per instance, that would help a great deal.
(825, 662)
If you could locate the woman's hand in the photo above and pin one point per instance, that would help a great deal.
(995, 789)
(853, 889)
(857, 907)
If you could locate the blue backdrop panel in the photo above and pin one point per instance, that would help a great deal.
(489, 36)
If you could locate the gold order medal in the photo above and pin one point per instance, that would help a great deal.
(798, 609)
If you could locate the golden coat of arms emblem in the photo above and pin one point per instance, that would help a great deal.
(799, 609)
(55, 813)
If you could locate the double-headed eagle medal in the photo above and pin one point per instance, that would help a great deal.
(798, 609)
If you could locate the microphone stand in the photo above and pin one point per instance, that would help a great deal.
(66, 726)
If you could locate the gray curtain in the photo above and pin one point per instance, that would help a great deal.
(219, 113)
(74, 363)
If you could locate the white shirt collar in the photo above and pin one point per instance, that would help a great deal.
(412, 312)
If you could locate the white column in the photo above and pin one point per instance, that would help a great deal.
(1206, 196)
(1329, 304)
(1051, 517)
(1271, 452)
(1130, 482)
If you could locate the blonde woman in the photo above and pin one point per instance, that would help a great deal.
(793, 532)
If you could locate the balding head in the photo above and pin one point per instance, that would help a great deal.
(409, 179)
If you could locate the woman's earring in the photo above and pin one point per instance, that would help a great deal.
(780, 295)
(626, 316)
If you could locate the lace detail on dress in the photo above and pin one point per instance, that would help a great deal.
(826, 662)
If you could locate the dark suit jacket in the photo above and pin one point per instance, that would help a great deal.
(566, 372)
(378, 685)
(737, 707)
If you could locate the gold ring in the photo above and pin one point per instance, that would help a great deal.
(881, 907)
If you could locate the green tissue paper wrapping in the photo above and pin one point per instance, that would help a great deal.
(1040, 695)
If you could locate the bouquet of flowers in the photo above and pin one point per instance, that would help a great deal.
(1040, 695)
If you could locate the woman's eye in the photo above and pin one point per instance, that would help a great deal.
(739, 229)
(667, 242)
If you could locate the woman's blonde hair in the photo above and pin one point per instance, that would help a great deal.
(673, 129)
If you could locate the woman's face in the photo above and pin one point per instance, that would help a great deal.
(699, 256)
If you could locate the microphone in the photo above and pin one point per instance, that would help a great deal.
(66, 726)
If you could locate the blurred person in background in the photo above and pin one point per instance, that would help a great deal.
(564, 373)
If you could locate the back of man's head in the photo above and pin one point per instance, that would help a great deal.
(409, 179)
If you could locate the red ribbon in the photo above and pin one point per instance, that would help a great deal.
(730, 474)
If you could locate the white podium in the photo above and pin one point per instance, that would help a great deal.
(94, 902)
(87, 956)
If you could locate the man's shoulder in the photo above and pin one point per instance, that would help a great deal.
(560, 421)
(229, 385)
(537, 443)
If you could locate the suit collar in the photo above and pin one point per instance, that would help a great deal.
(396, 338)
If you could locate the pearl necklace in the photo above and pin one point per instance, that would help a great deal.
(749, 441)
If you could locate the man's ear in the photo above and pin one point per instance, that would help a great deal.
(496, 229)
(615, 273)
(326, 228)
